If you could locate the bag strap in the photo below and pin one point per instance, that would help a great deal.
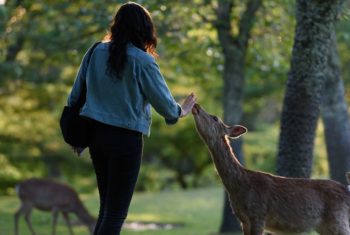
(82, 97)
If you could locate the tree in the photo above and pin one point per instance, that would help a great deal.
(334, 112)
(307, 76)
(37, 72)
(234, 50)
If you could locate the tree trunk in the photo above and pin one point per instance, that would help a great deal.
(229, 223)
(16, 46)
(234, 49)
(315, 23)
(233, 99)
(334, 112)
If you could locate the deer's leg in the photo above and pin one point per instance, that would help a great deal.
(337, 223)
(344, 231)
(54, 220)
(335, 228)
(257, 228)
(27, 210)
(16, 217)
(66, 218)
(256, 231)
(246, 229)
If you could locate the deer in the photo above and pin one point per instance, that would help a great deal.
(267, 203)
(48, 195)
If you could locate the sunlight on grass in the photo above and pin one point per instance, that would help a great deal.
(199, 212)
(145, 217)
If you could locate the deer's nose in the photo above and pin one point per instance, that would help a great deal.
(196, 108)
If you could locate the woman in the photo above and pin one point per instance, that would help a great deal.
(123, 81)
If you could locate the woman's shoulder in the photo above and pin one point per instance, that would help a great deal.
(139, 55)
(103, 45)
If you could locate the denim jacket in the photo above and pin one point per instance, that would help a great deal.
(124, 102)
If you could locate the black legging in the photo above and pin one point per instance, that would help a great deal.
(116, 157)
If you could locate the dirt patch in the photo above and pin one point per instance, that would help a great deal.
(141, 226)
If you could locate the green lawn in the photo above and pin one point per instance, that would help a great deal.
(198, 210)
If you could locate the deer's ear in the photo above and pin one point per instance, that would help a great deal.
(236, 131)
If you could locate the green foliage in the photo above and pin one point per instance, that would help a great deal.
(179, 149)
(260, 147)
(41, 46)
(9, 174)
(343, 38)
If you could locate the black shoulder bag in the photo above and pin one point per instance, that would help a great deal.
(75, 128)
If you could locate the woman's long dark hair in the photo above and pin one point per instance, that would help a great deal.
(132, 24)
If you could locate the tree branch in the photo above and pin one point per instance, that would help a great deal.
(223, 24)
(246, 22)
(201, 5)
(14, 49)
(204, 17)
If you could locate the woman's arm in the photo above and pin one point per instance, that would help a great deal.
(80, 79)
(157, 92)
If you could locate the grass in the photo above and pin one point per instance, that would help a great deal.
(198, 210)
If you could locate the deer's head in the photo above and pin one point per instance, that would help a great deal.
(211, 128)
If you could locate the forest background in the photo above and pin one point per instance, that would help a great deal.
(41, 47)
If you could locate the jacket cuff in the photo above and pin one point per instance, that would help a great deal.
(173, 121)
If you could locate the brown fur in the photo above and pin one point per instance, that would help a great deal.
(47, 195)
(264, 202)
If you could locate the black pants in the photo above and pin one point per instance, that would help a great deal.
(116, 157)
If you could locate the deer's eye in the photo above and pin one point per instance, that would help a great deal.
(215, 118)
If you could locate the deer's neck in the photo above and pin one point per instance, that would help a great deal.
(229, 169)
(83, 214)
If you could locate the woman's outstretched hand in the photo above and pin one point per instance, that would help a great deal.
(187, 105)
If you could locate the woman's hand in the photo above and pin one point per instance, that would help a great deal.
(187, 105)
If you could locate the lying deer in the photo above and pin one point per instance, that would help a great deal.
(264, 202)
(51, 196)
